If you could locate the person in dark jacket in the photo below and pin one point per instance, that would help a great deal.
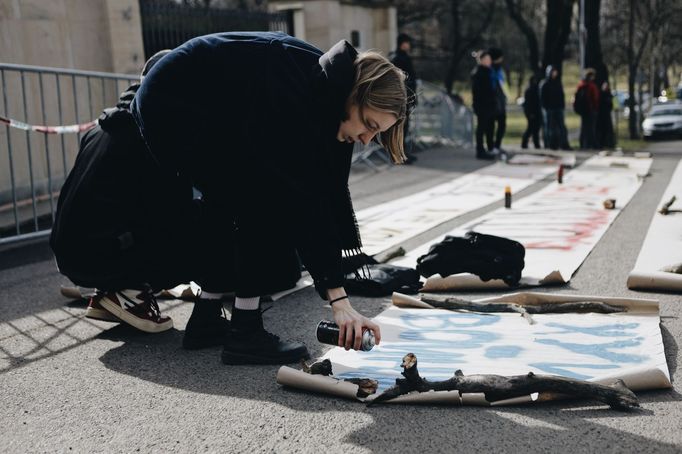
(553, 103)
(586, 105)
(500, 116)
(263, 125)
(484, 105)
(401, 59)
(533, 112)
(605, 135)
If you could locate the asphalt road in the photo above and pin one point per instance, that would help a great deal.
(69, 384)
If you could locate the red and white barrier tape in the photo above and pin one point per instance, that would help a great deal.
(48, 129)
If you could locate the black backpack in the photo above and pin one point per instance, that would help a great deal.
(486, 256)
(580, 103)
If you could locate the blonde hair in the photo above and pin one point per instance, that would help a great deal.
(380, 85)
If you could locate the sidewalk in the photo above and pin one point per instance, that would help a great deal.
(72, 384)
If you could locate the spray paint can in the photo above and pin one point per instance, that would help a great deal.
(560, 174)
(507, 197)
(328, 333)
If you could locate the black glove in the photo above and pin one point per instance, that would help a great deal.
(487, 256)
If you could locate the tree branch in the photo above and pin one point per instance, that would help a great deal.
(528, 32)
(497, 387)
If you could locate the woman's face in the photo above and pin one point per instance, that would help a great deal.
(359, 129)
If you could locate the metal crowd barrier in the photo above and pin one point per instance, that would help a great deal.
(34, 165)
(437, 119)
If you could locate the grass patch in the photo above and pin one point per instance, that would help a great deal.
(516, 125)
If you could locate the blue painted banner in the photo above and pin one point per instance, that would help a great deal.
(581, 346)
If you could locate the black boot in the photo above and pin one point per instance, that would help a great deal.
(249, 343)
(207, 326)
(482, 154)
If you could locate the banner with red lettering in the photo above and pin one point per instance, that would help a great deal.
(558, 225)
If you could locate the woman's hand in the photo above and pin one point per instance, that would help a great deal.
(351, 325)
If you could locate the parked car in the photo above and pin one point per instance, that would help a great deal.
(622, 97)
(663, 120)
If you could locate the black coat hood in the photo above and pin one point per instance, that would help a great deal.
(334, 81)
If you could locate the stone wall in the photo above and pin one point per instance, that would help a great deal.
(93, 35)
(97, 35)
(324, 22)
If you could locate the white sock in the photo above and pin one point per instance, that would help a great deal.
(212, 296)
(247, 304)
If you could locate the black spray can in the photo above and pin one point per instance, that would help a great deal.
(328, 333)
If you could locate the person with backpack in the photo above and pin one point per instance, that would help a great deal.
(262, 124)
(586, 104)
(533, 112)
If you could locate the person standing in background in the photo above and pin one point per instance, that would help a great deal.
(484, 105)
(586, 104)
(553, 103)
(500, 115)
(605, 136)
(533, 112)
(402, 60)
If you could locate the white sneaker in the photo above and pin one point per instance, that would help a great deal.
(138, 308)
(97, 312)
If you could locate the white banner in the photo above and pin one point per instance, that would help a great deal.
(662, 248)
(558, 225)
(388, 224)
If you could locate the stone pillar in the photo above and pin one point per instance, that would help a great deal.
(125, 34)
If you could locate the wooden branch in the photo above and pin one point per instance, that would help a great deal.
(399, 252)
(497, 387)
(366, 386)
(665, 209)
(323, 367)
(676, 268)
(457, 304)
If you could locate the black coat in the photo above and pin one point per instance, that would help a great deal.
(531, 102)
(485, 100)
(250, 119)
(108, 226)
(552, 94)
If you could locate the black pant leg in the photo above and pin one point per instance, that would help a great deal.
(534, 127)
(490, 132)
(501, 121)
(481, 123)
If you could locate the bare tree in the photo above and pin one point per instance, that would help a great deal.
(640, 22)
(644, 17)
(465, 34)
(593, 51)
(515, 8)
(557, 31)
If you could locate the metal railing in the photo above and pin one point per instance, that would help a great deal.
(440, 119)
(34, 165)
(437, 119)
